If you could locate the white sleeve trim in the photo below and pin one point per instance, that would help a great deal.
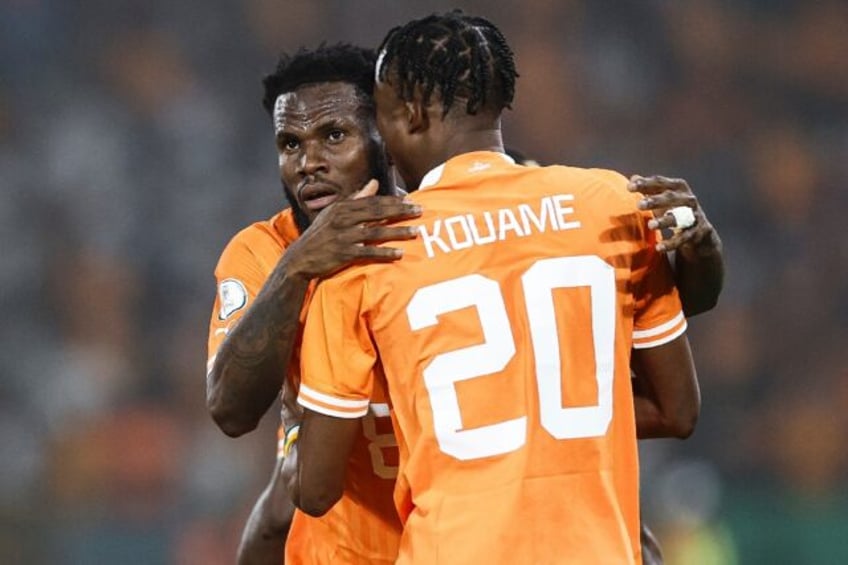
(330, 412)
(662, 328)
(332, 400)
(663, 340)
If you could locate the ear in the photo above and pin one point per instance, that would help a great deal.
(417, 116)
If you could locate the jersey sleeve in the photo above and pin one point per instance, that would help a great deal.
(338, 356)
(239, 278)
(658, 315)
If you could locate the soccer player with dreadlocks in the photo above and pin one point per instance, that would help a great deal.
(504, 336)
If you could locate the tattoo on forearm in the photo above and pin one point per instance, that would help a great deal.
(255, 356)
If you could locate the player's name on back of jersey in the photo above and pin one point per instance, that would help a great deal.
(482, 228)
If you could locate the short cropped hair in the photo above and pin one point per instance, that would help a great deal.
(340, 62)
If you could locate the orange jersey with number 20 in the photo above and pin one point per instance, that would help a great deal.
(504, 338)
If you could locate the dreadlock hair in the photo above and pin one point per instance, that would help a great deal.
(464, 57)
(342, 63)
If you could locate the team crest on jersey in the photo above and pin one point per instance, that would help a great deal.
(233, 297)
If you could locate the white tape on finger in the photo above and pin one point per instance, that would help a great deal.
(684, 217)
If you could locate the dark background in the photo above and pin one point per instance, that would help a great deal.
(133, 146)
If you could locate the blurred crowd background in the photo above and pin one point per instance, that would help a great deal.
(133, 146)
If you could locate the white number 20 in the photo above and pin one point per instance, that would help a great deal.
(498, 348)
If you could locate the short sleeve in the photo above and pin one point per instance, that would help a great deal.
(658, 313)
(338, 356)
(239, 278)
(658, 317)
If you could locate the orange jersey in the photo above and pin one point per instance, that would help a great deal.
(363, 527)
(504, 338)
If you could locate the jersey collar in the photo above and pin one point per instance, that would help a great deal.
(463, 164)
(285, 225)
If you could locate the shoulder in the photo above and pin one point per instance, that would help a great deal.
(606, 183)
(605, 191)
(614, 178)
(257, 242)
(353, 286)
(609, 179)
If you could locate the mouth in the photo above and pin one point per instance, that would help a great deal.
(318, 196)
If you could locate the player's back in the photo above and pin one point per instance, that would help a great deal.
(505, 335)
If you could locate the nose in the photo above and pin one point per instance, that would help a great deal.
(312, 159)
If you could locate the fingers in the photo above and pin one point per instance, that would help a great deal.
(351, 230)
(370, 189)
(378, 234)
(655, 184)
(661, 193)
(683, 237)
(682, 217)
(666, 221)
(374, 209)
(670, 244)
(377, 254)
(668, 199)
(364, 243)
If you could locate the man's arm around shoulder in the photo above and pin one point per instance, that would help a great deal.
(249, 369)
(250, 365)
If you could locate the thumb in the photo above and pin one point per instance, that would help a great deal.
(370, 189)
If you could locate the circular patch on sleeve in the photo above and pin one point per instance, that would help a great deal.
(233, 297)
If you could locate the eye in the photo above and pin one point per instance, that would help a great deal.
(336, 136)
(287, 144)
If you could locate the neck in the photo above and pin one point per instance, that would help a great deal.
(461, 139)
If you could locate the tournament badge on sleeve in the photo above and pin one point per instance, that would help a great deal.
(233, 297)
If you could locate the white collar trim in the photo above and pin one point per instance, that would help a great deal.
(432, 177)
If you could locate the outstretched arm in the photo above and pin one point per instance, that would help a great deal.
(696, 251)
(249, 368)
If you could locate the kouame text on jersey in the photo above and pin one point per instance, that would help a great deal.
(363, 527)
(462, 231)
(504, 337)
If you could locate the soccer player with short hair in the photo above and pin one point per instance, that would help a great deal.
(504, 335)
(328, 148)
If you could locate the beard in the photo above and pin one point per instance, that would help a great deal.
(379, 167)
